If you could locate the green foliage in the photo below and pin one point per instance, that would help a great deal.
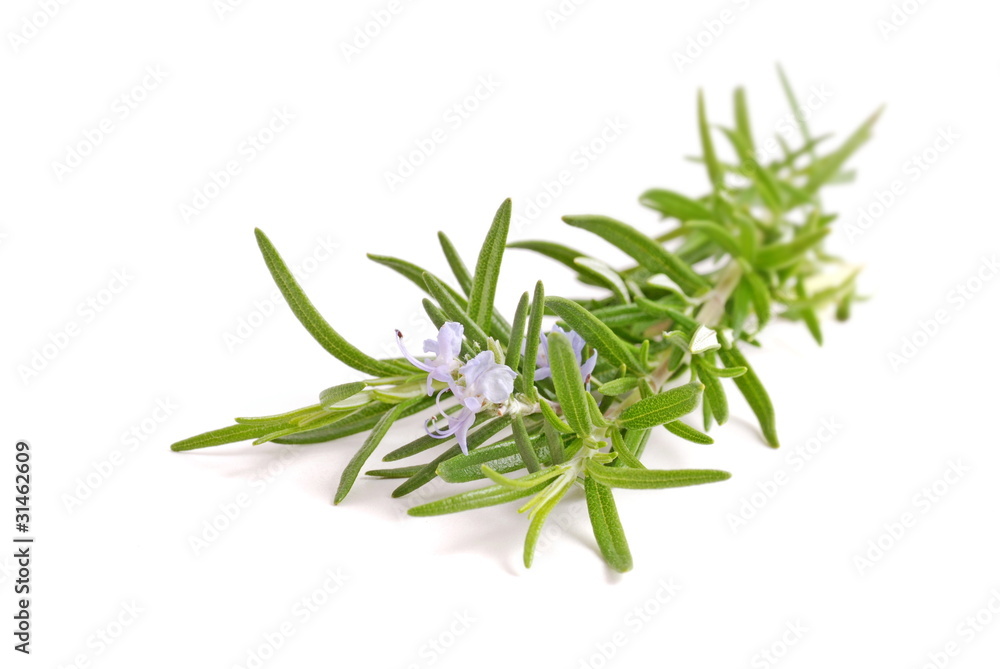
(667, 333)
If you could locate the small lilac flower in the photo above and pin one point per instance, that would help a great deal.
(486, 382)
(542, 369)
(447, 346)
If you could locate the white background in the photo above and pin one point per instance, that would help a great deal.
(126, 544)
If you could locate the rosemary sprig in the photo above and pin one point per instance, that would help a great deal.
(576, 406)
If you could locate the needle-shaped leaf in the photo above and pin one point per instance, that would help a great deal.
(539, 514)
(484, 281)
(662, 407)
(353, 468)
(718, 234)
(568, 383)
(619, 386)
(393, 473)
(455, 262)
(225, 435)
(708, 148)
(610, 346)
(313, 321)
(715, 395)
(477, 499)
(797, 109)
(824, 169)
(531, 342)
(552, 418)
(675, 205)
(685, 431)
(453, 310)
(784, 254)
(607, 275)
(753, 390)
(607, 526)
(501, 456)
(525, 447)
(646, 251)
(332, 396)
(559, 253)
(648, 479)
(513, 355)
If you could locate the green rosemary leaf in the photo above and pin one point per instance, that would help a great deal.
(675, 205)
(662, 407)
(636, 440)
(797, 109)
(532, 340)
(525, 446)
(313, 321)
(513, 355)
(557, 454)
(540, 514)
(760, 297)
(484, 281)
(619, 386)
(784, 254)
(286, 417)
(332, 396)
(625, 457)
(609, 345)
(708, 148)
(607, 526)
(742, 117)
(715, 395)
(353, 468)
(808, 314)
(724, 372)
(552, 418)
(648, 479)
(394, 473)
(520, 484)
(646, 251)
(458, 268)
(225, 435)
(360, 420)
(685, 431)
(561, 254)
(501, 456)
(568, 383)
(476, 499)
(826, 168)
(753, 390)
(719, 235)
(454, 311)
